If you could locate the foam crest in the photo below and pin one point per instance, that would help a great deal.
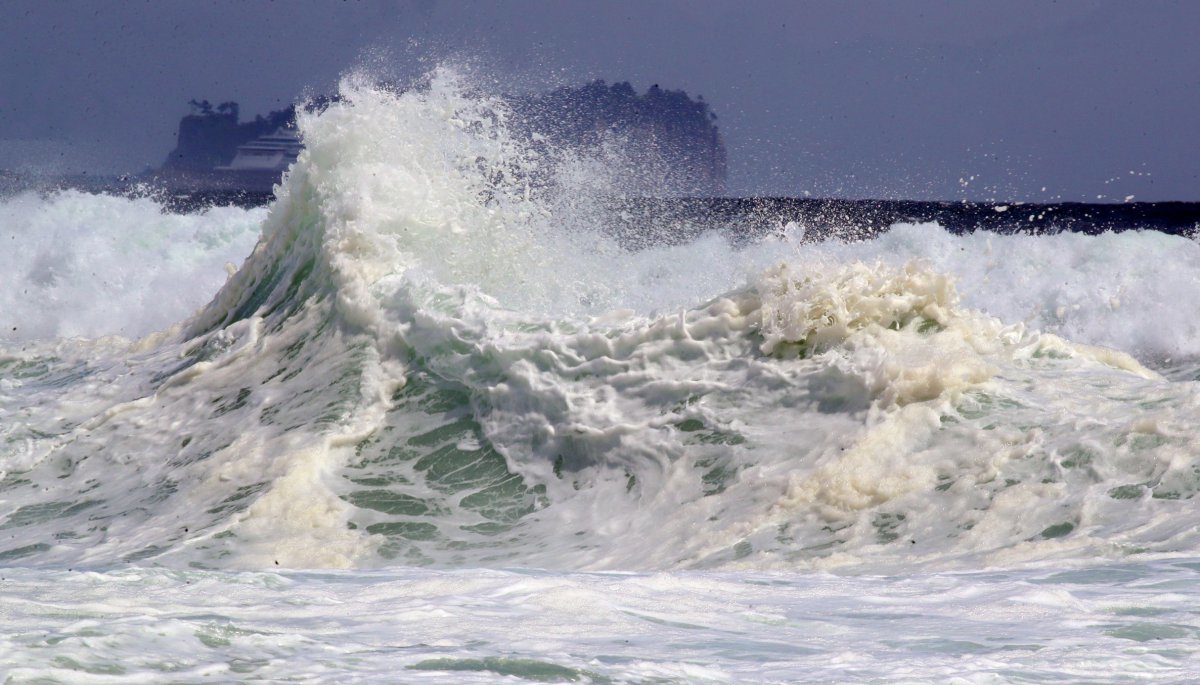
(817, 311)
(1119, 290)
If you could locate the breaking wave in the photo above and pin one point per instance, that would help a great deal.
(437, 355)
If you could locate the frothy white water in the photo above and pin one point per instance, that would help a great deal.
(1128, 291)
(435, 356)
(1114, 624)
(81, 265)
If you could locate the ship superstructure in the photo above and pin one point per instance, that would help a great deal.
(274, 153)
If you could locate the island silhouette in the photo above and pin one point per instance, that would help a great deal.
(662, 133)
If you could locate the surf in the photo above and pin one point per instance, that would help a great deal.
(438, 353)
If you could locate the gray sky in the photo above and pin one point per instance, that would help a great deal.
(928, 99)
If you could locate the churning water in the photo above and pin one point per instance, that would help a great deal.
(440, 426)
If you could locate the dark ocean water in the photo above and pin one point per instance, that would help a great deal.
(650, 221)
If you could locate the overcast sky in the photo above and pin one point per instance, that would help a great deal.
(930, 99)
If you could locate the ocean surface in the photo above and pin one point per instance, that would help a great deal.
(430, 417)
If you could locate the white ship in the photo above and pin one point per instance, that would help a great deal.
(271, 153)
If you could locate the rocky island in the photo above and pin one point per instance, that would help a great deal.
(665, 135)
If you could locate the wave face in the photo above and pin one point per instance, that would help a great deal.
(435, 355)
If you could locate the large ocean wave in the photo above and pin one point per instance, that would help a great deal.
(437, 355)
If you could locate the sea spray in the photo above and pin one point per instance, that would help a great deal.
(78, 264)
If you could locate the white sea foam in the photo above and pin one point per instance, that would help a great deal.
(1114, 624)
(83, 265)
(1122, 290)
